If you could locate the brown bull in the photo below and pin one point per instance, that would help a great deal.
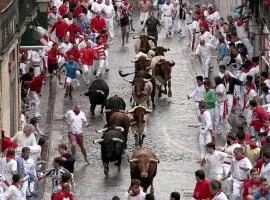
(141, 91)
(142, 64)
(143, 166)
(162, 74)
(143, 44)
(120, 119)
(139, 123)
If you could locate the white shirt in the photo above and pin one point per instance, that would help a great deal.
(220, 196)
(229, 150)
(205, 120)
(23, 141)
(23, 68)
(265, 172)
(7, 168)
(252, 93)
(75, 122)
(267, 83)
(238, 173)
(197, 93)
(68, 21)
(204, 51)
(167, 10)
(13, 193)
(195, 25)
(97, 7)
(28, 165)
(215, 161)
(140, 196)
(65, 47)
(220, 93)
(207, 37)
(108, 11)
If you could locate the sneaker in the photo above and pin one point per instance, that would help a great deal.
(60, 83)
(107, 70)
(70, 96)
(66, 95)
(87, 161)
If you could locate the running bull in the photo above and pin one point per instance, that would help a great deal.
(114, 104)
(143, 166)
(97, 93)
(161, 72)
(143, 43)
(139, 123)
(112, 147)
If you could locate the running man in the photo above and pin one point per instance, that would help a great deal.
(75, 119)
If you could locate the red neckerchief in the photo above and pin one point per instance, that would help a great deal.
(16, 185)
(76, 113)
(252, 146)
(241, 157)
(202, 111)
(246, 70)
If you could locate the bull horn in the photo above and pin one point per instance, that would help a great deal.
(154, 160)
(121, 111)
(133, 123)
(148, 68)
(147, 58)
(119, 128)
(147, 110)
(151, 37)
(133, 160)
(136, 37)
(124, 75)
(127, 80)
(146, 80)
(107, 110)
(100, 91)
(117, 140)
(102, 130)
(172, 62)
(132, 110)
(97, 141)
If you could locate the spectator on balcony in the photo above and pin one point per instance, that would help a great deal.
(61, 28)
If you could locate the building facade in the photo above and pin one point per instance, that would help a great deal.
(14, 16)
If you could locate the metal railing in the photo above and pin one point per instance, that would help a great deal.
(7, 26)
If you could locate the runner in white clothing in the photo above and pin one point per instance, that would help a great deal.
(198, 91)
(168, 12)
(203, 51)
(75, 119)
(216, 190)
(108, 14)
(214, 160)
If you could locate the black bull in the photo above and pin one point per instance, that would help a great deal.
(97, 93)
(114, 104)
(112, 147)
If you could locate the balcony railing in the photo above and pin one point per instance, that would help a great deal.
(7, 26)
(26, 9)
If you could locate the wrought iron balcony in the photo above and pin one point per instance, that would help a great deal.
(8, 18)
(27, 9)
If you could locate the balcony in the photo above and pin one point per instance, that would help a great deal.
(27, 13)
(8, 17)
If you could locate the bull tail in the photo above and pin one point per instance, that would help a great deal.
(124, 75)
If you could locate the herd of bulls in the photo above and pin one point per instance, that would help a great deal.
(152, 71)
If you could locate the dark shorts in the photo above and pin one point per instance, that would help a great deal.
(52, 67)
(124, 21)
(76, 138)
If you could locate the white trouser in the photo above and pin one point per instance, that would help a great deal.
(143, 17)
(230, 103)
(206, 66)
(249, 46)
(87, 73)
(27, 188)
(168, 23)
(109, 23)
(176, 24)
(194, 41)
(204, 138)
(212, 114)
(237, 189)
(99, 64)
(227, 185)
(35, 99)
(106, 52)
(221, 124)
